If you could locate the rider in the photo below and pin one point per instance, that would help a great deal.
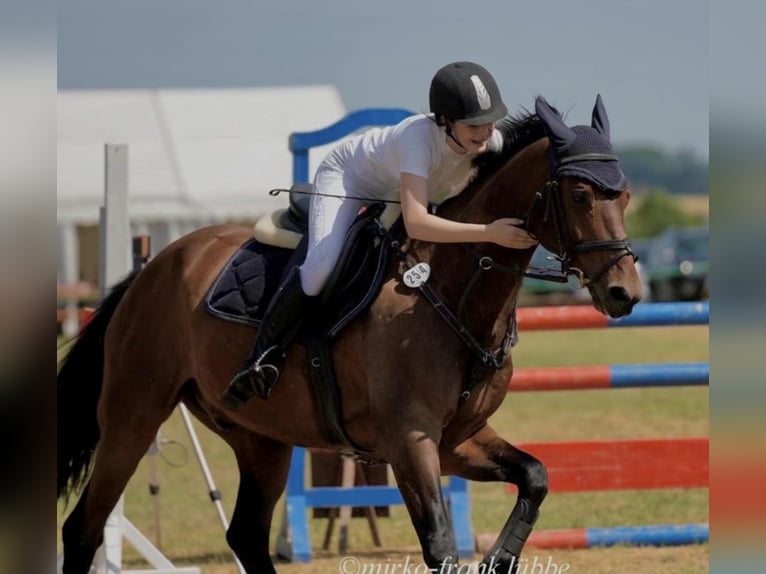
(426, 158)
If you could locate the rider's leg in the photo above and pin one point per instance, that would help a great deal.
(330, 218)
(257, 375)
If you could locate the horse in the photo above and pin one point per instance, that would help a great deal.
(401, 372)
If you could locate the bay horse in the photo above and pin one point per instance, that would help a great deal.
(401, 372)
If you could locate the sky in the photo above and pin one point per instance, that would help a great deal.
(649, 60)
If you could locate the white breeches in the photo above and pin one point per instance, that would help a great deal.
(329, 219)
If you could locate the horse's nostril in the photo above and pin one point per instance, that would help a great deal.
(619, 294)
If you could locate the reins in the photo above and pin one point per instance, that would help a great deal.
(493, 359)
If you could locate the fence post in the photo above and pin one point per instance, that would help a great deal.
(114, 251)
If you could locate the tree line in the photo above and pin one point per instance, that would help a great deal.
(650, 167)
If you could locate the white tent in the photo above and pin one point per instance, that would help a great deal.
(192, 152)
(196, 156)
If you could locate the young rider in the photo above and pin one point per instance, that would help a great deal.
(423, 159)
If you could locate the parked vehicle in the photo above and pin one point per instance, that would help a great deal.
(642, 247)
(678, 264)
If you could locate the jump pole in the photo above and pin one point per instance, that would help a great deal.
(215, 495)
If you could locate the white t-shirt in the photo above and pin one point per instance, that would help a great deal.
(372, 162)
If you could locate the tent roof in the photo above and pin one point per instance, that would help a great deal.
(193, 153)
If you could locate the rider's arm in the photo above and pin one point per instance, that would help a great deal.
(427, 227)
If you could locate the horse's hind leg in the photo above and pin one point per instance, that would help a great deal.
(487, 457)
(126, 434)
(263, 467)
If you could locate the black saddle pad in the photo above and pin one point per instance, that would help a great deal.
(253, 274)
(247, 283)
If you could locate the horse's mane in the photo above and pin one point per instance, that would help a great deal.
(518, 132)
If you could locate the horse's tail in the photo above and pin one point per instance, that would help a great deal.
(79, 383)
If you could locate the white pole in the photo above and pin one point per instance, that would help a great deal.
(70, 260)
(113, 541)
(115, 220)
(215, 496)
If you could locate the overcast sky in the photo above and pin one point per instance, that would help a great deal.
(648, 59)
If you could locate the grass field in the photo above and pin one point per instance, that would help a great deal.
(695, 204)
(191, 533)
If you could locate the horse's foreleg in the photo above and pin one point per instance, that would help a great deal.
(487, 457)
(417, 471)
(263, 466)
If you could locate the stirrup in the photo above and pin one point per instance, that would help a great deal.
(266, 376)
(254, 380)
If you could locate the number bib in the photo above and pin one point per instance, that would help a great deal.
(417, 276)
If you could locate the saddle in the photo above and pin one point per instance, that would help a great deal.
(250, 278)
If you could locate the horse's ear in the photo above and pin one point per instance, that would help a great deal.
(560, 134)
(600, 120)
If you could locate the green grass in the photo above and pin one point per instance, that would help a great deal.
(191, 533)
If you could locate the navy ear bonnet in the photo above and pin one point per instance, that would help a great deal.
(583, 151)
(604, 173)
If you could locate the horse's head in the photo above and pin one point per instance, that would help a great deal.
(584, 207)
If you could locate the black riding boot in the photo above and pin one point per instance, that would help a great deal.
(257, 375)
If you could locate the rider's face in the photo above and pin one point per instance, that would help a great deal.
(473, 138)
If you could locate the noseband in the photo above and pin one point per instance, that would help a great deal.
(554, 211)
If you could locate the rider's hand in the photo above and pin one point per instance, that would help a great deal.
(506, 232)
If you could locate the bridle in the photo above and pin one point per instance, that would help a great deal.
(553, 211)
(490, 360)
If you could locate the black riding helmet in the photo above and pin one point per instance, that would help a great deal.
(466, 92)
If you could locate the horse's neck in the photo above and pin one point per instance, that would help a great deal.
(511, 190)
(507, 193)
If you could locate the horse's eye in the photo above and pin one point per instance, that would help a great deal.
(579, 196)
